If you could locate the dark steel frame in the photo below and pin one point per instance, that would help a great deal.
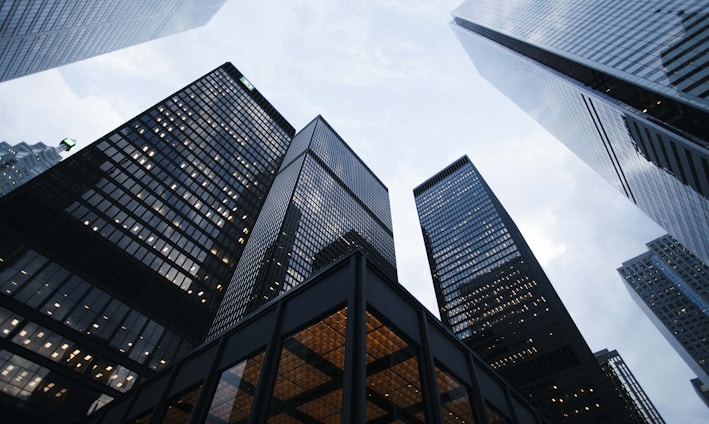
(353, 282)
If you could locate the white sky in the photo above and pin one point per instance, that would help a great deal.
(393, 81)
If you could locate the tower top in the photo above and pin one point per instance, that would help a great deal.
(66, 144)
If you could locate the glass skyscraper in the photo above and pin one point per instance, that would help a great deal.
(114, 261)
(41, 34)
(623, 84)
(22, 162)
(701, 389)
(496, 298)
(324, 203)
(637, 402)
(669, 284)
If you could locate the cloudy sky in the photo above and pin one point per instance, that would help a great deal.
(393, 81)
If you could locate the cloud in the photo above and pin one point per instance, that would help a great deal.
(54, 112)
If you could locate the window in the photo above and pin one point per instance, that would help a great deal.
(309, 380)
(235, 392)
(393, 382)
(455, 402)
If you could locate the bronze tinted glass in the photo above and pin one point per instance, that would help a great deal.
(455, 402)
(235, 393)
(180, 408)
(393, 381)
(309, 383)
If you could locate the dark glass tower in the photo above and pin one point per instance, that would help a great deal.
(324, 203)
(624, 84)
(495, 297)
(636, 401)
(114, 261)
(39, 34)
(669, 284)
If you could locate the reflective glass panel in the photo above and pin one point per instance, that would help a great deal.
(309, 383)
(22, 379)
(113, 375)
(180, 408)
(101, 401)
(8, 321)
(455, 402)
(235, 392)
(53, 346)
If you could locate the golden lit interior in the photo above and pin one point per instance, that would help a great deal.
(393, 382)
(235, 392)
(180, 408)
(455, 403)
(309, 381)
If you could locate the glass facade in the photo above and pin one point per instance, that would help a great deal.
(348, 345)
(22, 162)
(41, 34)
(495, 297)
(669, 284)
(324, 203)
(635, 111)
(113, 262)
(235, 393)
(311, 361)
(637, 403)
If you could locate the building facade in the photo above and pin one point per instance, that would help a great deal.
(36, 35)
(114, 261)
(22, 162)
(669, 284)
(349, 345)
(324, 203)
(495, 297)
(641, 408)
(701, 389)
(623, 84)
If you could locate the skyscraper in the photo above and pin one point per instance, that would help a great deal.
(495, 297)
(22, 162)
(669, 284)
(623, 84)
(114, 261)
(324, 203)
(701, 389)
(636, 401)
(36, 35)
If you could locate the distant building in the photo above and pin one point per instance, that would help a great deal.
(348, 345)
(324, 203)
(624, 84)
(637, 403)
(113, 262)
(701, 389)
(496, 298)
(22, 162)
(670, 285)
(36, 35)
